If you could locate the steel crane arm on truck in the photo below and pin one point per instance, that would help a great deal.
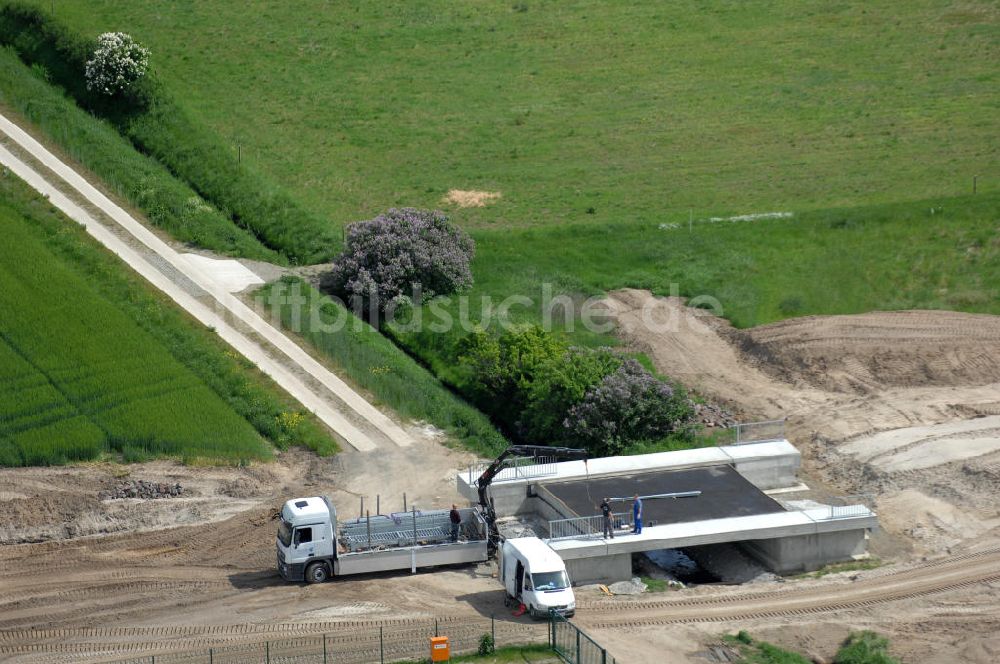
(484, 481)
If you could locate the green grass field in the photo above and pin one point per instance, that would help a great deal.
(389, 375)
(92, 363)
(865, 115)
(608, 127)
(643, 111)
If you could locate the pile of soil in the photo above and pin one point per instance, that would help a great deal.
(142, 489)
(867, 352)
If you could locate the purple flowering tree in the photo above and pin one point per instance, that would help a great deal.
(628, 406)
(402, 254)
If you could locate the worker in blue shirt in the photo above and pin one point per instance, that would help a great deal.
(637, 514)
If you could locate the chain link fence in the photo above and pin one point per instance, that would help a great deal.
(573, 645)
(354, 645)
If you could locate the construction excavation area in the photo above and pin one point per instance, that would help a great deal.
(890, 460)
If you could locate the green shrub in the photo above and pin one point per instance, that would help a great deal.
(542, 391)
(563, 383)
(486, 645)
(157, 126)
(865, 648)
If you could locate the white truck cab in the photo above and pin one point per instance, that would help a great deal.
(306, 539)
(534, 575)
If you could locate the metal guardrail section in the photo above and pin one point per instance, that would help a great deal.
(516, 468)
(573, 645)
(758, 432)
(399, 529)
(585, 527)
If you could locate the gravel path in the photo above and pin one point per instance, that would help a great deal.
(347, 413)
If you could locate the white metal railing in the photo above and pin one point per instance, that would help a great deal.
(516, 468)
(845, 507)
(585, 527)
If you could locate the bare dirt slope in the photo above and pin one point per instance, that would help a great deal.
(834, 376)
(879, 403)
(904, 406)
(869, 352)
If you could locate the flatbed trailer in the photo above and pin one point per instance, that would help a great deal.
(312, 545)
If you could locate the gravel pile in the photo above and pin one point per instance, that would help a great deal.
(142, 489)
(713, 416)
(633, 587)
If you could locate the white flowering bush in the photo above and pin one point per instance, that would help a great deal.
(118, 62)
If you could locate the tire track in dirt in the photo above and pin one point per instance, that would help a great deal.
(933, 577)
(943, 576)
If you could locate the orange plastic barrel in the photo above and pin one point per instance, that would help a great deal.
(440, 650)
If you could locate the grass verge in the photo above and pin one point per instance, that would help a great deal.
(140, 180)
(657, 585)
(98, 362)
(762, 652)
(159, 127)
(375, 364)
(504, 655)
(850, 566)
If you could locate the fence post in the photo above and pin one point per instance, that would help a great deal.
(267, 651)
(211, 656)
(577, 645)
(381, 646)
(604, 656)
(493, 629)
(436, 627)
(324, 649)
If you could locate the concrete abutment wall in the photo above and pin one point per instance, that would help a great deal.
(808, 553)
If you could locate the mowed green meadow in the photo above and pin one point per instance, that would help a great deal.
(93, 365)
(641, 111)
(598, 122)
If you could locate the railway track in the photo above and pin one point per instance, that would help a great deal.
(359, 635)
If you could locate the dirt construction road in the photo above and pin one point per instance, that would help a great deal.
(212, 586)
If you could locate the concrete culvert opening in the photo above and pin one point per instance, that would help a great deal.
(725, 563)
(672, 565)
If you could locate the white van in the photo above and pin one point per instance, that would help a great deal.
(535, 575)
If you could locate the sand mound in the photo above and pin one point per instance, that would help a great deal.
(841, 376)
(470, 198)
(866, 352)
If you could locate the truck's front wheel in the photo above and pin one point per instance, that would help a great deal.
(317, 573)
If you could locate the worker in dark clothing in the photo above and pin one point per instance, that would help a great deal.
(456, 521)
(609, 529)
(637, 514)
